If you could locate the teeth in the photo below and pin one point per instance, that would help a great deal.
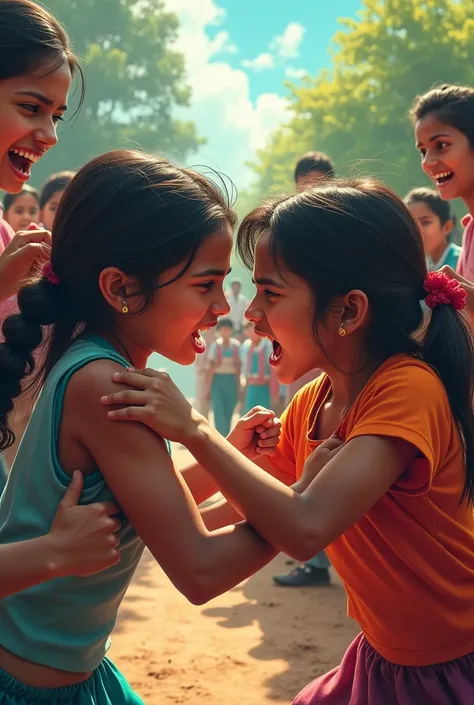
(27, 155)
(443, 175)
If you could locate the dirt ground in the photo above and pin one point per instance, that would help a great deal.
(257, 644)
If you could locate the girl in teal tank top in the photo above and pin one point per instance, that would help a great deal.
(79, 540)
(140, 251)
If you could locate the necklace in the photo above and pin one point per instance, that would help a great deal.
(123, 348)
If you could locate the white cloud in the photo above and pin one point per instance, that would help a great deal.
(292, 72)
(287, 45)
(260, 63)
(232, 123)
(221, 44)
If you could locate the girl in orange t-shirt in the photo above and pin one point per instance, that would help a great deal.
(341, 277)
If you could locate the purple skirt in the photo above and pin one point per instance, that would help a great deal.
(366, 678)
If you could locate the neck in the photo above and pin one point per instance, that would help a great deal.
(469, 201)
(438, 251)
(347, 387)
(125, 346)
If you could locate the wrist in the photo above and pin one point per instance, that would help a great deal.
(54, 556)
(199, 434)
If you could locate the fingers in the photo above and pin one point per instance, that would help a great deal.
(24, 237)
(450, 272)
(254, 418)
(128, 396)
(129, 413)
(109, 508)
(74, 490)
(270, 433)
(332, 443)
(140, 379)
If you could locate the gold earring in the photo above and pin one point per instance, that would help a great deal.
(125, 306)
(342, 331)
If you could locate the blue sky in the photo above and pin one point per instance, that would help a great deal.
(239, 53)
(254, 24)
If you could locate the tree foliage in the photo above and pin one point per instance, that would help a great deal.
(357, 111)
(134, 82)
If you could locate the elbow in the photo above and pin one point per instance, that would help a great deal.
(306, 543)
(200, 590)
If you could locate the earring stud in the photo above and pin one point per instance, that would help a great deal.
(342, 331)
(124, 306)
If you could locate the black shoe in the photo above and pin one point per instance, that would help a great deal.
(304, 575)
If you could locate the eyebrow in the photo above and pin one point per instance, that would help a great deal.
(435, 137)
(211, 273)
(42, 98)
(264, 281)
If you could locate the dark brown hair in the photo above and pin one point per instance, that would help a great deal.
(124, 209)
(56, 182)
(452, 104)
(344, 235)
(433, 200)
(33, 41)
(10, 198)
(314, 161)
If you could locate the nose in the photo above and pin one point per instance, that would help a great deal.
(253, 312)
(221, 307)
(47, 134)
(428, 161)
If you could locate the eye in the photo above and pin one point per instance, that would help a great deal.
(442, 145)
(58, 118)
(208, 286)
(31, 107)
(269, 293)
(422, 152)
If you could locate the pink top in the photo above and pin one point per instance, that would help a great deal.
(6, 233)
(466, 259)
(6, 236)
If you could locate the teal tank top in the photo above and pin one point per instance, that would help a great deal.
(64, 623)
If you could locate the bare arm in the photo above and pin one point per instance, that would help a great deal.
(304, 524)
(222, 513)
(82, 541)
(156, 499)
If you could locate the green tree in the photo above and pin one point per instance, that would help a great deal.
(357, 111)
(135, 81)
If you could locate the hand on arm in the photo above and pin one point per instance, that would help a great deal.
(255, 435)
(157, 501)
(353, 479)
(82, 541)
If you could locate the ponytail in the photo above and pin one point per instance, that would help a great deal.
(448, 348)
(23, 333)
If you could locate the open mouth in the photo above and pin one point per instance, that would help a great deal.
(21, 162)
(276, 353)
(198, 342)
(443, 178)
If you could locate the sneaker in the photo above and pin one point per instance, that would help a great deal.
(304, 575)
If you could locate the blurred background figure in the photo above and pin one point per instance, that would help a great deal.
(261, 384)
(238, 305)
(224, 375)
(51, 194)
(201, 366)
(436, 222)
(21, 209)
(311, 168)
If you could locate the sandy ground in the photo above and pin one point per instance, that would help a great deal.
(257, 644)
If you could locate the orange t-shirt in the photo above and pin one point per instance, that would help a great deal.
(408, 564)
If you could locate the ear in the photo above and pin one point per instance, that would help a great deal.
(116, 287)
(355, 311)
(448, 227)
